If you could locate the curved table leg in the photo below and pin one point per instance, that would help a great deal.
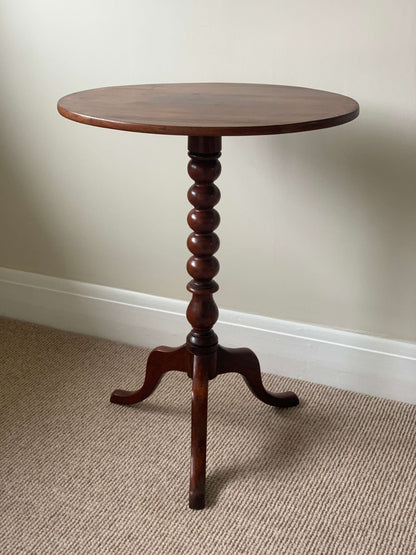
(160, 361)
(244, 362)
(199, 431)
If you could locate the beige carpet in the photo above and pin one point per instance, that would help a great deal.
(80, 475)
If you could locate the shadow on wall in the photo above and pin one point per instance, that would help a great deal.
(363, 185)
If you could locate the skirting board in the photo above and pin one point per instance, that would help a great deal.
(372, 365)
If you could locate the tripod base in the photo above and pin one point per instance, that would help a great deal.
(202, 368)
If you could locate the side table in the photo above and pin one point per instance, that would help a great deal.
(205, 112)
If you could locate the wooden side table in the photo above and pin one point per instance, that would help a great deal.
(205, 112)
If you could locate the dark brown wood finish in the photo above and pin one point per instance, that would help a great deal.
(161, 360)
(204, 366)
(209, 109)
(205, 112)
(201, 357)
(204, 167)
(243, 361)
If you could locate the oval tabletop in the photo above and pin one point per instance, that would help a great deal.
(209, 109)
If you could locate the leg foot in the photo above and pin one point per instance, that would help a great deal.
(201, 368)
(245, 362)
(160, 361)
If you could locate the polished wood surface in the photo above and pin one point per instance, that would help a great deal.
(204, 366)
(202, 358)
(209, 109)
(161, 360)
(206, 112)
(202, 313)
(243, 361)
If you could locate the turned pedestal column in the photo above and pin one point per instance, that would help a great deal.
(201, 356)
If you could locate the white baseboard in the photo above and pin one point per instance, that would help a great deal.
(352, 361)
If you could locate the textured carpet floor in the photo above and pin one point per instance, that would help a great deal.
(80, 475)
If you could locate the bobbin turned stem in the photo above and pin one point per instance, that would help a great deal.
(203, 219)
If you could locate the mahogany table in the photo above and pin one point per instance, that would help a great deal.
(205, 112)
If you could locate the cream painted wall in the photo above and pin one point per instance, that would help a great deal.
(317, 227)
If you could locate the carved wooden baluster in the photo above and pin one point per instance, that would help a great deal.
(202, 312)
